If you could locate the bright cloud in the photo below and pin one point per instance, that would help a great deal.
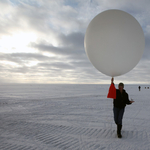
(17, 43)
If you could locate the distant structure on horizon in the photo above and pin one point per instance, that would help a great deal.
(147, 87)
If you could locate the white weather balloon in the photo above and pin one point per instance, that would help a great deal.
(114, 42)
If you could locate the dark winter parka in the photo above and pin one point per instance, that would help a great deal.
(121, 99)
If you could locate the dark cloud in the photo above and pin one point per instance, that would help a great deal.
(146, 54)
(75, 39)
(57, 65)
(71, 47)
(24, 57)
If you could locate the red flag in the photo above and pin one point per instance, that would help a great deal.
(112, 92)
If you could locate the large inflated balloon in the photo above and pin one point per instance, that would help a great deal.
(114, 42)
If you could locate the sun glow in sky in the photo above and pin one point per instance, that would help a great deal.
(17, 43)
(43, 41)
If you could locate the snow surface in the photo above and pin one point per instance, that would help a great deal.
(71, 117)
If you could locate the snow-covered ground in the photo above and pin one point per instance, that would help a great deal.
(71, 117)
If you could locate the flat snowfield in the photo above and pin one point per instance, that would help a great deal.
(71, 117)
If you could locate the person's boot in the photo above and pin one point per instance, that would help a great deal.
(119, 127)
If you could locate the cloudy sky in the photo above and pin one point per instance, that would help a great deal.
(42, 41)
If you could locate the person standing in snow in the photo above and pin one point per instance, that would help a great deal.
(119, 106)
(139, 88)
